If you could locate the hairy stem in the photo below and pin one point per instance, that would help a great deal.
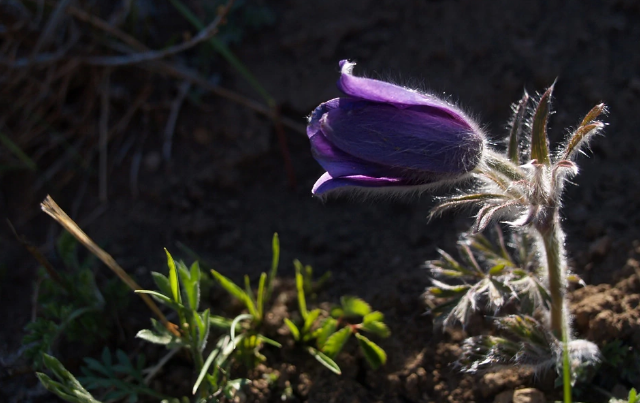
(553, 241)
(553, 245)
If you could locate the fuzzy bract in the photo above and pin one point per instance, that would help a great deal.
(383, 136)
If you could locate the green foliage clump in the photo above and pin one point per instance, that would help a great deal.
(71, 304)
(238, 340)
(325, 333)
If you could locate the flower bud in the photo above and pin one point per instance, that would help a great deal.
(383, 136)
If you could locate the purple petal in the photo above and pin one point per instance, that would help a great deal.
(328, 183)
(314, 120)
(380, 91)
(338, 163)
(407, 138)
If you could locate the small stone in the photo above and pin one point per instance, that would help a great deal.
(528, 395)
(504, 397)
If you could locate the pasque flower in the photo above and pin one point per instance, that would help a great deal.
(383, 136)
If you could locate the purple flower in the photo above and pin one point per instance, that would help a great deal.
(383, 136)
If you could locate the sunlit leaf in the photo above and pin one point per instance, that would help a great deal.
(311, 318)
(162, 282)
(295, 332)
(579, 138)
(235, 323)
(325, 360)
(516, 129)
(224, 348)
(275, 258)
(67, 386)
(220, 322)
(376, 327)
(173, 278)
(233, 386)
(269, 341)
(328, 327)
(260, 300)
(190, 279)
(354, 306)
(161, 298)
(336, 342)
(337, 312)
(375, 316)
(497, 269)
(539, 140)
(302, 302)
(375, 356)
(236, 291)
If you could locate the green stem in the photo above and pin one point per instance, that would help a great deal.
(554, 250)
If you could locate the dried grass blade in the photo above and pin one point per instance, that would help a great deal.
(50, 207)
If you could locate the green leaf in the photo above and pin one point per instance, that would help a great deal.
(267, 340)
(295, 332)
(161, 298)
(236, 291)
(311, 318)
(68, 387)
(152, 337)
(204, 325)
(375, 355)
(325, 360)
(160, 335)
(442, 290)
(633, 396)
(504, 168)
(497, 269)
(516, 128)
(328, 327)
(275, 259)
(377, 328)
(162, 282)
(235, 323)
(247, 288)
(173, 278)
(261, 295)
(448, 262)
(579, 138)
(233, 386)
(220, 322)
(336, 342)
(354, 306)
(337, 312)
(375, 316)
(539, 140)
(302, 302)
(222, 351)
(190, 279)
(593, 114)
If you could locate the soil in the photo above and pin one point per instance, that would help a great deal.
(225, 191)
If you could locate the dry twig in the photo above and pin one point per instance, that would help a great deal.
(209, 31)
(50, 207)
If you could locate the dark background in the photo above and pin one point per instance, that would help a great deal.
(225, 190)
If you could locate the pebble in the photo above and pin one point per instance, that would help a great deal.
(528, 395)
